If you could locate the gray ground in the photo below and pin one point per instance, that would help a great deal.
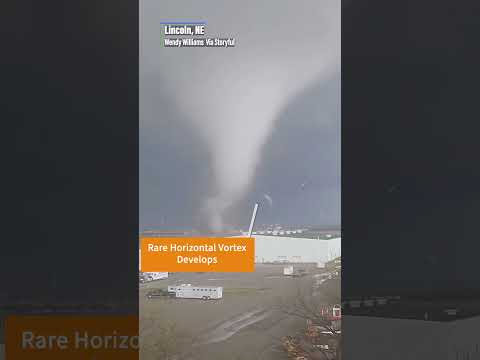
(246, 324)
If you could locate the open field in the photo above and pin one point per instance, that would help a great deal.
(246, 324)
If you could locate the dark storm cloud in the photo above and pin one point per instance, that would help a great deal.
(410, 154)
(303, 149)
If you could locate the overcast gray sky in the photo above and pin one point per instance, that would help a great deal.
(219, 128)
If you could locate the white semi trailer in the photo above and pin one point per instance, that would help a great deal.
(187, 291)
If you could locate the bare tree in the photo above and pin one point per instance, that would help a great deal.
(310, 308)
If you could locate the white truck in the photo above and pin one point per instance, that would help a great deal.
(150, 276)
(291, 271)
(187, 291)
(288, 270)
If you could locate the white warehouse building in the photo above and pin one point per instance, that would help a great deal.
(294, 249)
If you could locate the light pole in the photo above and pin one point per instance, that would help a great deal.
(252, 221)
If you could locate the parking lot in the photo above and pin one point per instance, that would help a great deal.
(247, 323)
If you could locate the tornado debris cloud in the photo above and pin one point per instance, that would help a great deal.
(232, 96)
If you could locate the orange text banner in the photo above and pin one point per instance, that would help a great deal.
(71, 337)
(197, 254)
